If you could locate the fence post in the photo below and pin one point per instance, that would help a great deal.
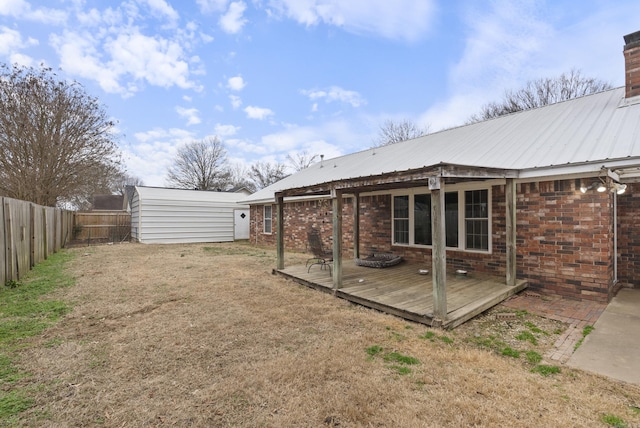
(11, 263)
(45, 233)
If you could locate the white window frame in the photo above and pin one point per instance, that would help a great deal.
(462, 230)
(269, 218)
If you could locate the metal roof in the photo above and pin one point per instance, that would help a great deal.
(597, 129)
(189, 196)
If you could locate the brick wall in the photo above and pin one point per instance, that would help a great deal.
(629, 236)
(564, 237)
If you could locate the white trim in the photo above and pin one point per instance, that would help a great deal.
(264, 219)
(460, 189)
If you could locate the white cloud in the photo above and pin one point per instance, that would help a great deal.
(119, 64)
(236, 83)
(162, 8)
(209, 6)
(258, 112)
(336, 93)
(226, 130)
(400, 19)
(22, 9)
(236, 101)
(21, 59)
(191, 114)
(11, 41)
(14, 7)
(150, 157)
(330, 139)
(233, 21)
(154, 59)
(79, 56)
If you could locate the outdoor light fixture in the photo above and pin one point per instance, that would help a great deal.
(585, 189)
(619, 188)
(602, 186)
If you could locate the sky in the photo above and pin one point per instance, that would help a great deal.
(273, 78)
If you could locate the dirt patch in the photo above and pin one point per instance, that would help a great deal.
(206, 335)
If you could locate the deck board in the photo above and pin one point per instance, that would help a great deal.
(402, 291)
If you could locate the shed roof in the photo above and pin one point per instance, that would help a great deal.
(580, 135)
(183, 195)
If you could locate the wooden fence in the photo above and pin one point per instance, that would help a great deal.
(28, 234)
(111, 226)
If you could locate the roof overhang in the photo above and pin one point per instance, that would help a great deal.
(399, 180)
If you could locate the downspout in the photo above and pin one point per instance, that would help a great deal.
(615, 238)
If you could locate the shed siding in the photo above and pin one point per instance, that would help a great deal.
(173, 216)
(135, 217)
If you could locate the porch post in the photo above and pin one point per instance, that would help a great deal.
(510, 195)
(337, 238)
(356, 225)
(280, 231)
(438, 251)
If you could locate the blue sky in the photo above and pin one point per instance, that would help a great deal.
(279, 77)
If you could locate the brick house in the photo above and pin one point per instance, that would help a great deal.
(549, 195)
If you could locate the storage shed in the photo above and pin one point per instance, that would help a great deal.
(164, 216)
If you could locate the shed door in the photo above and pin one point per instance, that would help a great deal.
(241, 224)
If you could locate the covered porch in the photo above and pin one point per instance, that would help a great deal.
(402, 291)
(399, 296)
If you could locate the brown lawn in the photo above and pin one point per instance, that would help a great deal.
(205, 335)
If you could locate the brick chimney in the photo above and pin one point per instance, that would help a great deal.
(632, 64)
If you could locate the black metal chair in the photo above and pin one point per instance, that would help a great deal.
(321, 257)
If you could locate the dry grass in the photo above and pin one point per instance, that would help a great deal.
(205, 335)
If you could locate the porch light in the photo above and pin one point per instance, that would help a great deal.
(619, 188)
(594, 185)
(601, 187)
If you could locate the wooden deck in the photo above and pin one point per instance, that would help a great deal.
(400, 290)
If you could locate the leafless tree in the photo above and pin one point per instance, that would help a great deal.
(240, 177)
(200, 165)
(122, 180)
(56, 141)
(392, 132)
(264, 174)
(541, 92)
(301, 160)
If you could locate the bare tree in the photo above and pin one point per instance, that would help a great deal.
(394, 132)
(301, 160)
(56, 141)
(200, 165)
(541, 92)
(122, 180)
(241, 177)
(264, 174)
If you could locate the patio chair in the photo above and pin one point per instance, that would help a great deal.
(321, 257)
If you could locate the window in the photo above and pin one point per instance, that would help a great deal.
(412, 219)
(401, 219)
(268, 221)
(476, 209)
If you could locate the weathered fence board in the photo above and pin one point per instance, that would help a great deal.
(28, 234)
(109, 226)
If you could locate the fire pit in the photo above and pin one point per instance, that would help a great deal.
(379, 260)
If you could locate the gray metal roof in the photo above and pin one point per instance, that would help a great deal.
(594, 130)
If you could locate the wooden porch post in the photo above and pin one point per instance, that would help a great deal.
(356, 225)
(280, 231)
(438, 252)
(337, 238)
(510, 195)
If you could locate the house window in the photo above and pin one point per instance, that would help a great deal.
(476, 212)
(268, 221)
(412, 219)
(401, 219)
